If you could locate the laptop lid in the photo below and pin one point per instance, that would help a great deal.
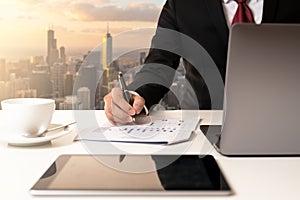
(262, 91)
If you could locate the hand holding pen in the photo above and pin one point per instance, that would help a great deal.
(117, 108)
(124, 89)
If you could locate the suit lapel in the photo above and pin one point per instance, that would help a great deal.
(215, 10)
(269, 10)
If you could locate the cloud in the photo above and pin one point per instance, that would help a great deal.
(25, 17)
(104, 29)
(32, 2)
(141, 11)
(96, 1)
(60, 28)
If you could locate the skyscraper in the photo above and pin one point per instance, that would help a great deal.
(62, 54)
(92, 58)
(83, 95)
(87, 77)
(57, 78)
(107, 74)
(52, 51)
(40, 81)
(106, 49)
(68, 83)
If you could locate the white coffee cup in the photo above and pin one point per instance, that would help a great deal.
(28, 116)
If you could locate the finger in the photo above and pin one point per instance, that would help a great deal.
(110, 118)
(120, 122)
(120, 115)
(114, 113)
(107, 108)
(114, 120)
(138, 103)
(118, 99)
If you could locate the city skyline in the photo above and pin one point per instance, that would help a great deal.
(71, 82)
(79, 25)
(55, 62)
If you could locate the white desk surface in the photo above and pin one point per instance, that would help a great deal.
(250, 178)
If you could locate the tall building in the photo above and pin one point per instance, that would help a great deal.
(92, 58)
(77, 64)
(83, 95)
(52, 51)
(68, 83)
(57, 79)
(40, 81)
(2, 70)
(87, 77)
(106, 50)
(107, 74)
(62, 54)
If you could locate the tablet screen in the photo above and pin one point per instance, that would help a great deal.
(132, 175)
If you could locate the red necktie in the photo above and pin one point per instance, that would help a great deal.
(243, 13)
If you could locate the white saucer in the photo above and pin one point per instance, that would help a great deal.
(19, 140)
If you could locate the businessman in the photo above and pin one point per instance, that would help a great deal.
(208, 23)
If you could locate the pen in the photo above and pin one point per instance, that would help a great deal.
(127, 97)
(124, 89)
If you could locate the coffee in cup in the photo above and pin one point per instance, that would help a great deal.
(28, 116)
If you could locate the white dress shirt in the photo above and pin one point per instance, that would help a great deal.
(230, 7)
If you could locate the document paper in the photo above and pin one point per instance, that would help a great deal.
(165, 131)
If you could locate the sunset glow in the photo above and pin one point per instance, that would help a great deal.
(78, 24)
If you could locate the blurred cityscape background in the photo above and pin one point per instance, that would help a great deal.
(79, 82)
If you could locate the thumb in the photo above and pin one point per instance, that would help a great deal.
(138, 103)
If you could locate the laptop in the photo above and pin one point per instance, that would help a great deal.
(262, 91)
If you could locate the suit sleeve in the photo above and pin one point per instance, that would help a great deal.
(156, 76)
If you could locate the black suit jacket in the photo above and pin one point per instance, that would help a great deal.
(203, 21)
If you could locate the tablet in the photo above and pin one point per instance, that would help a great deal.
(132, 175)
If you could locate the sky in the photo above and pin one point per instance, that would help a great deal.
(78, 24)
